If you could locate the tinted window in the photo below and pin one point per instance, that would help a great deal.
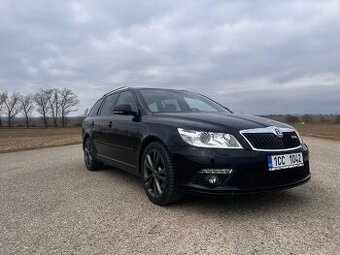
(153, 107)
(109, 104)
(95, 108)
(127, 97)
(170, 105)
(160, 100)
(199, 105)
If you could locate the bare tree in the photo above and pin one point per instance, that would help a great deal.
(3, 98)
(41, 99)
(13, 107)
(307, 118)
(337, 119)
(26, 103)
(67, 100)
(54, 104)
(291, 119)
(84, 115)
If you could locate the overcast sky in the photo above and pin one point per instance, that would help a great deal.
(253, 56)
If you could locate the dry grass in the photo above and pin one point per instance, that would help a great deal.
(326, 131)
(22, 139)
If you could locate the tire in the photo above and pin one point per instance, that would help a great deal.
(158, 175)
(91, 162)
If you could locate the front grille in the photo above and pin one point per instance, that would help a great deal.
(269, 141)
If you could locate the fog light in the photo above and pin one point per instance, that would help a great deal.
(212, 179)
(216, 171)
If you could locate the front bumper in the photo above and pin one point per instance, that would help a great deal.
(250, 173)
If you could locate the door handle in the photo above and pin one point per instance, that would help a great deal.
(110, 124)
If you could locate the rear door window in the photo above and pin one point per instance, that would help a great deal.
(109, 105)
(95, 108)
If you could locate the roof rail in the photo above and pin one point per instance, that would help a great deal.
(115, 90)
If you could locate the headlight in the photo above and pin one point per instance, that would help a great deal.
(209, 139)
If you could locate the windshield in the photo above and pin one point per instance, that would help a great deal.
(158, 100)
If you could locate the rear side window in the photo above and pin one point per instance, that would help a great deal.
(109, 104)
(127, 97)
(95, 108)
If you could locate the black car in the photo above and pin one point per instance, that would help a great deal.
(179, 142)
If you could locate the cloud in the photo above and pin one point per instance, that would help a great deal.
(245, 53)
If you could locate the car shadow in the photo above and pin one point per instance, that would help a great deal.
(272, 201)
(245, 203)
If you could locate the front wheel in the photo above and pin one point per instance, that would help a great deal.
(158, 175)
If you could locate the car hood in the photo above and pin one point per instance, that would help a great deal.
(220, 122)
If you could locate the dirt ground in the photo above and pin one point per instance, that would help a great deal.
(22, 139)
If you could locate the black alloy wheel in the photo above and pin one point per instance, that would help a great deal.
(158, 175)
(154, 173)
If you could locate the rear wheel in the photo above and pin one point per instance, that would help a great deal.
(158, 175)
(91, 163)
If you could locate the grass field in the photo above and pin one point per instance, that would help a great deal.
(22, 139)
(326, 131)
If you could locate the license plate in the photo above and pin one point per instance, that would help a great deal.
(284, 161)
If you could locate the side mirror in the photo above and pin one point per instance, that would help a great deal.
(124, 109)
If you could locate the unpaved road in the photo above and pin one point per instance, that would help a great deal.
(51, 205)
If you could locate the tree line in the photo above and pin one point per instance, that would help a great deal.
(52, 104)
(306, 118)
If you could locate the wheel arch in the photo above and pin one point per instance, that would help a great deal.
(86, 135)
(146, 141)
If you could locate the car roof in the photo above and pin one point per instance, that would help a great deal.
(140, 88)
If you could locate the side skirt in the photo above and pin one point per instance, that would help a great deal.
(118, 164)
